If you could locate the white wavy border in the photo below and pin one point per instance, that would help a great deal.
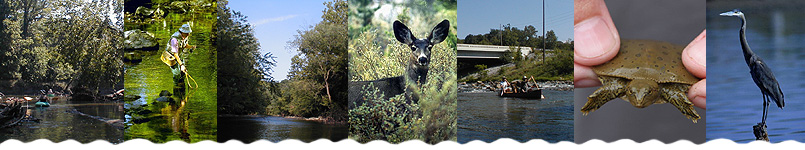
(324, 144)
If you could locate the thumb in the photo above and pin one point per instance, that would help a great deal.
(695, 56)
(597, 39)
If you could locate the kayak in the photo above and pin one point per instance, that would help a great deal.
(42, 104)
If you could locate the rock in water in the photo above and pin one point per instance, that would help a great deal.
(165, 96)
(165, 99)
(165, 93)
(140, 40)
(760, 132)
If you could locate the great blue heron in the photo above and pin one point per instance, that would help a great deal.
(760, 72)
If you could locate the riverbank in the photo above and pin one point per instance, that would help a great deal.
(319, 119)
(480, 86)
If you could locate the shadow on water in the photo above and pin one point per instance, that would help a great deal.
(735, 102)
(193, 118)
(248, 129)
(487, 117)
(58, 124)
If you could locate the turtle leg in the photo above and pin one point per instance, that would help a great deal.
(676, 94)
(613, 88)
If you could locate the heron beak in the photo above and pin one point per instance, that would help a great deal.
(730, 13)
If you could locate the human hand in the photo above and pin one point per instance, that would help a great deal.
(695, 59)
(182, 68)
(597, 40)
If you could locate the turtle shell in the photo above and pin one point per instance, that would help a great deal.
(646, 59)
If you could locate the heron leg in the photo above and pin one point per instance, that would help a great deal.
(676, 94)
(765, 108)
(612, 88)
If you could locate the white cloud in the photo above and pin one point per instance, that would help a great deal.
(275, 19)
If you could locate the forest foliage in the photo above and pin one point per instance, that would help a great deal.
(240, 84)
(316, 79)
(45, 41)
(375, 53)
(529, 36)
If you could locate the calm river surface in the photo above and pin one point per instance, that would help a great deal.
(734, 101)
(248, 129)
(58, 125)
(487, 117)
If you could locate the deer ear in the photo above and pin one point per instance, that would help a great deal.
(402, 33)
(439, 33)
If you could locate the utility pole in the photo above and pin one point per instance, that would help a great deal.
(543, 31)
(500, 27)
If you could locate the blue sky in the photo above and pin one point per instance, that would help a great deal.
(275, 22)
(478, 16)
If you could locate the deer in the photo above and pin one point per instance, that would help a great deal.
(416, 71)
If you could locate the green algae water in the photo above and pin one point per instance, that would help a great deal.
(191, 118)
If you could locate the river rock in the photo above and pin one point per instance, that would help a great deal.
(164, 96)
(140, 40)
(144, 11)
(180, 6)
(130, 97)
(133, 57)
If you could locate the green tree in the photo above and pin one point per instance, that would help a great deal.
(56, 40)
(322, 60)
(89, 44)
(5, 41)
(240, 87)
(551, 40)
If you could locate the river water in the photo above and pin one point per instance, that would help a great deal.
(487, 117)
(248, 129)
(57, 124)
(734, 101)
(194, 120)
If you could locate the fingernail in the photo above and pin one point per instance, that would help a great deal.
(702, 100)
(594, 38)
(698, 52)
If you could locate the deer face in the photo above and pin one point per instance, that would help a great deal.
(421, 48)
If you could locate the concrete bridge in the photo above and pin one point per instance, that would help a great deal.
(470, 55)
(473, 51)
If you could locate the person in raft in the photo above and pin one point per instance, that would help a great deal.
(178, 47)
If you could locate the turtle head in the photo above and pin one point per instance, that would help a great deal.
(642, 92)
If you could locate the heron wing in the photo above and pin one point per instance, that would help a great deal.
(765, 80)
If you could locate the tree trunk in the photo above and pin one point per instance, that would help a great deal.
(327, 83)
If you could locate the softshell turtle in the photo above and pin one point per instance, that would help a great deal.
(644, 72)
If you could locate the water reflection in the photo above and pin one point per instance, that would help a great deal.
(248, 129)
(735, 101)
(487, 117)
(57, 123)
(191, 118)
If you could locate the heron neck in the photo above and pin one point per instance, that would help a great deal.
(747, 51)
